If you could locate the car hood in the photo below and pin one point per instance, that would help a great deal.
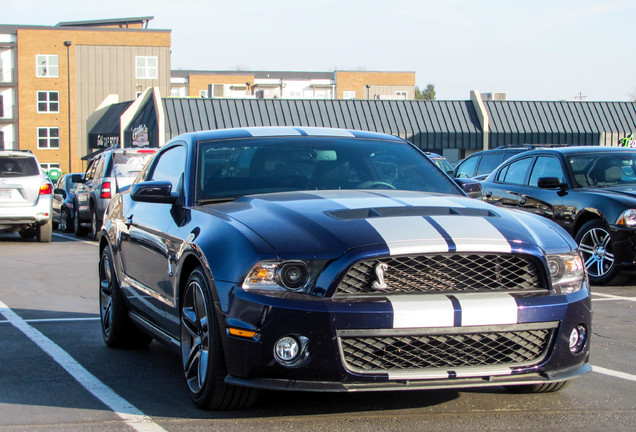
(615, 191)
(326, 224)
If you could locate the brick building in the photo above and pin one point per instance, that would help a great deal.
(52, 78)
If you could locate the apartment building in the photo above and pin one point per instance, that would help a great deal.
(339, 84)
(52, 78)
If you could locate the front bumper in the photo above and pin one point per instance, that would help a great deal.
(326, 322)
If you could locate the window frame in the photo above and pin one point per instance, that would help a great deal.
(47, 102)
(146, 68)
(48, 138)
(47, 66)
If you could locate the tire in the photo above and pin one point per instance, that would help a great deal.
(539, 388)
(595, 244)
(44, 233)
(117, 329)
(66, 221)
(96, 224)
(202, 351)
(78, 229)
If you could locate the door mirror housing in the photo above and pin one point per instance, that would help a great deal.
(550, 182)
(470, 186)
(154, 192)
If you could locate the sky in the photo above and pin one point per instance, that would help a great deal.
(531, 50)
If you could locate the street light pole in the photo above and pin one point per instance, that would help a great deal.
(67, 44)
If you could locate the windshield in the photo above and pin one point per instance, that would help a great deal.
(129, 164)
(597, 170)
(18, 166)
(233, 168)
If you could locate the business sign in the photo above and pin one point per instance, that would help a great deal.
(140, 136)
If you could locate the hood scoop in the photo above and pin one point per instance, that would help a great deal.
(384, 212)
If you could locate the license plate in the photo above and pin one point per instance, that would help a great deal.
(5, 193)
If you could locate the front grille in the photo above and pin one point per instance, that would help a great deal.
(447, 350)
(443, 273)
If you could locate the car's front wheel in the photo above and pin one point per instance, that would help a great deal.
(595, 244)
(117, 329)
(202, 351)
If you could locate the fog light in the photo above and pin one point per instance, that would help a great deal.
(578, 337)
(286, 349)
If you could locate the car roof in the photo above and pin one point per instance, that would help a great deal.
(288, 131)
(568, 150)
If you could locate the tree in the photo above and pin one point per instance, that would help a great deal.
(427, 94)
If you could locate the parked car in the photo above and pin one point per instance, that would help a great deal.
(441, 162)
(478, 165)
(589, 191)
(25, 196)
(333, 260)
(106, 173)
(64, 201)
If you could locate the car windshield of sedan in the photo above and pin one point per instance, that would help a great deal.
(603, 170)
(233, 168)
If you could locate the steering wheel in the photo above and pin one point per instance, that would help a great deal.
(375, 184)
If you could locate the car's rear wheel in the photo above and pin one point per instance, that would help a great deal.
(78, 229)
(44, 233)
(595, 244)
(539, 388)
(96, 224)
(66, 221)
(202, 351)
(117, 329)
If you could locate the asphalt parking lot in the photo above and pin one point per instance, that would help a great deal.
(56, 373)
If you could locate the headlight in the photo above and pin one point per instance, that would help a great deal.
(296, 276)
(627, 218)
(566, 272)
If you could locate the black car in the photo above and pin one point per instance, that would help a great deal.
(589, 191)
(479, 165)
(333, 260)
(63, 201)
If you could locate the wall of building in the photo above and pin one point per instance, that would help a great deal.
(93, 56)
(197, 82)
(357, 81)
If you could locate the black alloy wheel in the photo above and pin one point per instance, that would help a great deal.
(66, 221)
(117, 329)
(78, 229)
(202, 351)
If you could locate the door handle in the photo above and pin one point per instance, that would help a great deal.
(128, 221)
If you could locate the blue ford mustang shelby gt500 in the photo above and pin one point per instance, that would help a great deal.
(335, 260)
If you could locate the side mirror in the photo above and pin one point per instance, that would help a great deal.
(59, 191)
(550, 183)
(153, 192)
(470, 186)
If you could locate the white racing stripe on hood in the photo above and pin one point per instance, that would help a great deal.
(473, 234)
(272, 131)
(360, 201)
(433, 201)
(409, 234)
(437, 310)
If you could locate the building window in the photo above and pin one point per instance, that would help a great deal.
(349, 94)
(146, 67)
(403, 94)
(48, 166)
(48, 138)
(2, 140)
(48, 102)
(203, 93)
(47, 66)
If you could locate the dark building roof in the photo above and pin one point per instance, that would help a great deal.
(579, 123)
(109, 123)
(114, 21)
(427, 124)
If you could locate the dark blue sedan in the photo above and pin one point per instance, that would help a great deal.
(333, 260)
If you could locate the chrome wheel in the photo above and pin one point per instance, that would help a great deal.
(195, 337)
(596, 248)
(63, 223)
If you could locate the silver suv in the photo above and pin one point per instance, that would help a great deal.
(106, 173)
(25, 196)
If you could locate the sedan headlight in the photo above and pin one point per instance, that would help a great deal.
(567, 272)
(627, 218)
(295, 276)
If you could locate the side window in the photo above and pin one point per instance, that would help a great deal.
(99, 168)
(467, 168)
(517, 171)
(90, 171)
(170, 166)
(488, 163)
(546, 166)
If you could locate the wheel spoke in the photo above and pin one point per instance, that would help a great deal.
(189, 321)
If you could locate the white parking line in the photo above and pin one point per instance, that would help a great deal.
(614, 374)
(612, 297)
(68, 237)
(132, 416)
(47, 320)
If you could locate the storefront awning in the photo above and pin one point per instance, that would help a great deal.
(106, 131)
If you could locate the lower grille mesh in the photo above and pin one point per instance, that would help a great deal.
(401, 352)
